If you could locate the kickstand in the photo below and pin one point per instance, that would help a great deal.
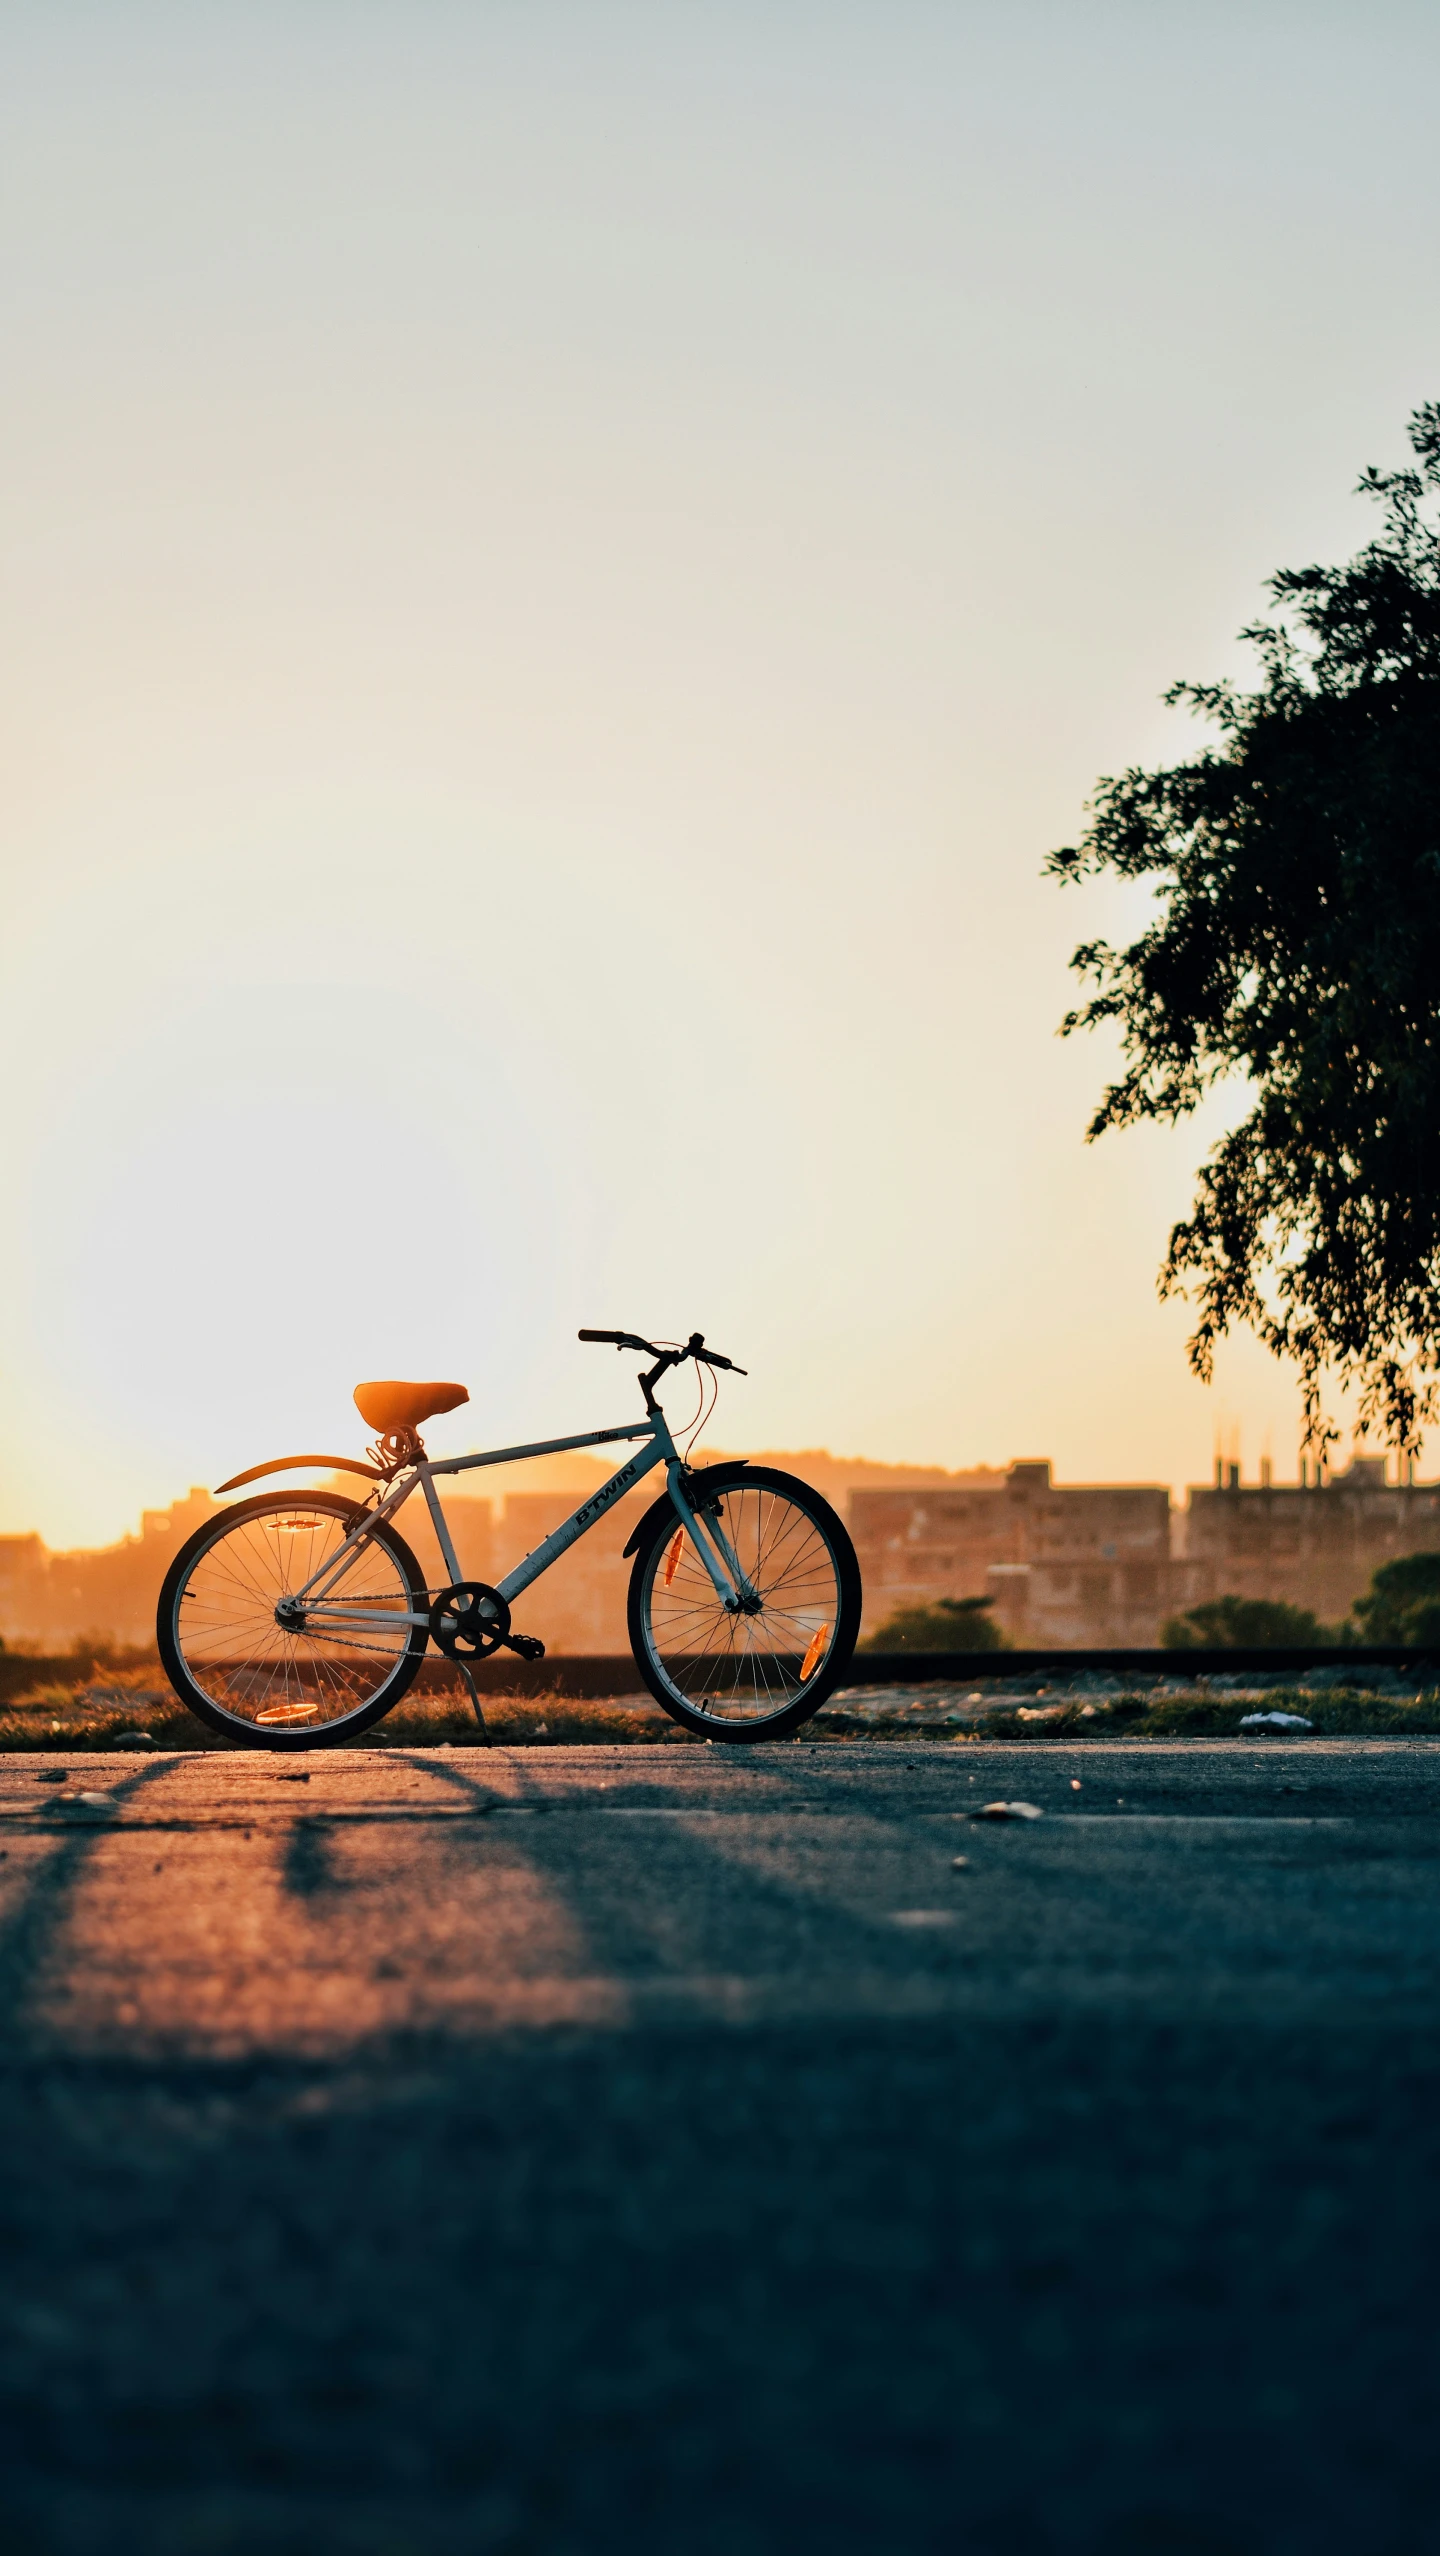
(465, 1671)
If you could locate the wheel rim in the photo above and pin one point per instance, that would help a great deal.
(752, 1667)
(282, 1682)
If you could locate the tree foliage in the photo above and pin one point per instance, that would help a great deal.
(1402, 1603)
(951, 1624)
(1244, 1624)
(1295, 943)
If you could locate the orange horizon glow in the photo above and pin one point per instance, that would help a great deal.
(548, 636)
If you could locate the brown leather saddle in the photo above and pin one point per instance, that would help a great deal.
(391, 1406)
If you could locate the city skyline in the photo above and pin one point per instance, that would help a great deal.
(1077, 1562)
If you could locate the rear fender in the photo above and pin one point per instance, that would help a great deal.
(300, 1464)
(663, 1508)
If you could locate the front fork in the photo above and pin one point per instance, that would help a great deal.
(734, 1591)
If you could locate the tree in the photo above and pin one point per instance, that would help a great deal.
(1296, 944)
(1244, 1624)
(951, 1624)
(1403, 1602)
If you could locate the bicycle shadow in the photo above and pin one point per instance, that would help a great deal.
(28, 1936)
(695, 1902)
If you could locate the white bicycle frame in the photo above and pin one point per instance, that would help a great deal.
(713, 1547)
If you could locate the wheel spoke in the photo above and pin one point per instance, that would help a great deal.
(744, 1668)
(248, 1667)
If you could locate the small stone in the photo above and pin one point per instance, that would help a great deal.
(958, 1863)
(140, 1739)
(1074, 1783)
(53, 1775)
(1009, 1810)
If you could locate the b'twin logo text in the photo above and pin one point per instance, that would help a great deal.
(602, 1499)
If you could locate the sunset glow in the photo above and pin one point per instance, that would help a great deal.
(566, 568)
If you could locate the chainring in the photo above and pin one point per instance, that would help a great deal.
(469, 1621)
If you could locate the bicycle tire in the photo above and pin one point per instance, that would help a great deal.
(272, 1661)
(710, 1671)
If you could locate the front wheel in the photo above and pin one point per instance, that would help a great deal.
(272, 1673)
(755, 1671)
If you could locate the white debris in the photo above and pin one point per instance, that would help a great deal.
(1275, 1722)
(1009, 1810)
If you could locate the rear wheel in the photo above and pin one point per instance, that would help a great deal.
(758, 1671)
(232, 1657)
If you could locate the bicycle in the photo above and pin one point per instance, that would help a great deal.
(295, 1622)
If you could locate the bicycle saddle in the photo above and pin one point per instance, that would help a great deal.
(390, 1405)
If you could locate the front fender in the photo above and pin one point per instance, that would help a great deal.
(663, 1508)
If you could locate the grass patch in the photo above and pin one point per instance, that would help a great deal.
(113, 1708)
(132, 1706)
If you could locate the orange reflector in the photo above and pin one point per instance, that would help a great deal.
(672, 1558)
(287, 1713)
(811, 1660)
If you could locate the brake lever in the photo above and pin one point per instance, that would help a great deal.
(696, 1349)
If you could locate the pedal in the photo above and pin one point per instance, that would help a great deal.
(526, 1645)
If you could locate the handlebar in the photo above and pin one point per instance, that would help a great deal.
(694, 1348)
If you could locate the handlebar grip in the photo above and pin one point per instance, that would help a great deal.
(600, 1335)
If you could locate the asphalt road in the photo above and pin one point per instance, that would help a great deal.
(481, 2154)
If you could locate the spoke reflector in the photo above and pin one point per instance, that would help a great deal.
(287, 1713)
(672, 1558)
(811, 1660)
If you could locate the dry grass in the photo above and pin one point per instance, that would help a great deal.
(115, 1706)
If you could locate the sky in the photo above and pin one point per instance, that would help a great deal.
(566, 564)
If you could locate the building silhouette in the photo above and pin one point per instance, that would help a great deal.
(1069, 1565)
(1105, 1564)
(1317, 1544)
